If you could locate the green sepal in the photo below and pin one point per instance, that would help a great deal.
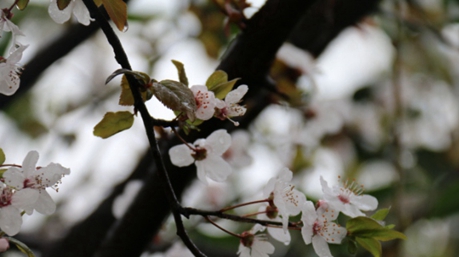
(181, 72)
(352, 247)
(21, 246)
(113, 123)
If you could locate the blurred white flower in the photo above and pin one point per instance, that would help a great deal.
(237, 154)
(252, 245)
(205, 102)
(279, 234)
(348, 198)
(318, 228)
(207, 155)
(10, 213)
(285, 197)
(76, 7)
(10, 71)
(31, 183)
(7, 25)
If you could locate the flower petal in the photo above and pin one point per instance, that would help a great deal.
(236, 95)
(81, 13)
(321, 246)
(309, 214)
(29, 164)
(14, 178)
(60, 16)
(280, 235)
(218, 142)
(365, 202)
(45, 204)
(25, 199)
(52, 174)
(181, 155)
(10, 220)
(216, 168)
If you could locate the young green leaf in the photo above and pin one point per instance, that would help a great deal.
(371, 245)
(176, 96)
(361, 223)
(223, 89)
(216, 78)
(382, 234)
(113, 123)
(181, 72)
(22, 4)
(126, 97)
(21, 246)
(117, 10)
(381, 214)
(2, 156)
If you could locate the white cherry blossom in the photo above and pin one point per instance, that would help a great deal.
(205, 102)
(76, 7)
(230, 107)
(206, 154)
(281, 235)
(285, 197)
(30, 184)
(11, 204)
(10, 71)
(319, 229)
(348, 198)
(237, 155)
(7, 25)
(255, 245)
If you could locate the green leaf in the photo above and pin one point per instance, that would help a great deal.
(126, 97)
(223, 89)
(2, 156)
(181, 72)
(113, 123)
(62, 4)
(216, 78)
(21, 246)
(22, 4)
(2, 171)
(361, 223)
(382, 234)
(352, 247)
(117, 10)
(381, 214)
(371, 245)
(176, 96)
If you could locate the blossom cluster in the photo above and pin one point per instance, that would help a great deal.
(318, 222)
(23, 190)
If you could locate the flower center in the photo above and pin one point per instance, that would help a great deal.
(247, 239)
(202, 99)
(199, 154)
(5, 197)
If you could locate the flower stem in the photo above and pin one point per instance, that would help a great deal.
(221, 228)
(243, 204)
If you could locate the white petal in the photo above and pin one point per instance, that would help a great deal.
(25, 199)
(10, 220)
(216, 168)
(45, 204)
(9, 84)
(52, 173)
(269, 188)
(58, 15)
(236, 95)
(201, 172)
(29, 164)
(218, 142)
(325, 188)
(261, 248)
(243, 251)
(309, 214)
(351, 211)
(280, 235)
(14, 177)
(365, 202)
(181, 155)
(16, 55)
(321, 246)
(307, 233)
(81, 13)
(336, 233)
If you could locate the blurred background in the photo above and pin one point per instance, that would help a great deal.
(379, 104)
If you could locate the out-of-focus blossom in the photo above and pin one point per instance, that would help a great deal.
(254, 245)
(268, 213)
(348, 198)
(4, 245)
(7, 25)
(206, 154)
(205, 102)
(237, 154)
(10, 71)
(75, 7)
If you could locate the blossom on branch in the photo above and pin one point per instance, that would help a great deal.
(76, 7)
(10, 71)
(319, 229)
(205, 102)
(348, 198)
(30, 183)
(206, 154)
(269, 213)
(254, 245)
(7, 25)
(230, 107)
(284, 196)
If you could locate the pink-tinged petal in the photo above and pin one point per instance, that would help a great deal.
(218, 142)
(52, 174)
(309, 214)
(216, 168)
(29, 164)
(45, 204)
(60, 16)
(365, 202)
(205, 102)
(181, 155)
(25, 199)
(14, 178)
(10, 220)
(81, 13)
(320, 246)
(236, 95)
